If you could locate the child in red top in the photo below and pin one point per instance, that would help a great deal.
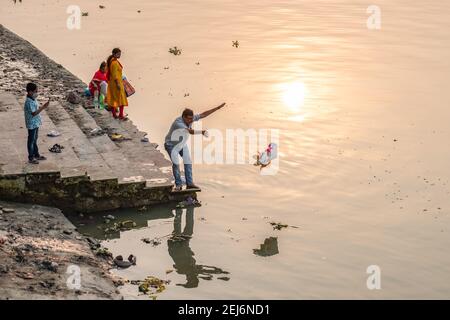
(99, 77)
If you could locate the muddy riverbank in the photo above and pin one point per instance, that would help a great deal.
(42, 254)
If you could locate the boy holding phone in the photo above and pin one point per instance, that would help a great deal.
(33, 122)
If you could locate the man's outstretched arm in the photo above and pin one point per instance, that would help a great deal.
(207, 113)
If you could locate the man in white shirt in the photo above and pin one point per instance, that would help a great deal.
(175, 144)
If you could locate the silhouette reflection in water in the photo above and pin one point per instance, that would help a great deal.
(268, 248)
(183, 256)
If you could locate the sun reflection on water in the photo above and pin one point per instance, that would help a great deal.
(293, 95)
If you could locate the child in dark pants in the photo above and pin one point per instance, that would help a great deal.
(33, 122)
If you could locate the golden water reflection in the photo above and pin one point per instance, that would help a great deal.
(293, 95)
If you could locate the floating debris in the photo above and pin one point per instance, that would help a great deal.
(236, 44)
(151, 285)
(175, 51)
(118, 261)
(121, 226)
(278, 225)
(84, 14)
(101, 7)
(263, 159)
(154, 242)
(104, 253)
(268, 248)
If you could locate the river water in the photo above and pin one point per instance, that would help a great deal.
(362, 115)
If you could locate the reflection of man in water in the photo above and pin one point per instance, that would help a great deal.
(183, 256)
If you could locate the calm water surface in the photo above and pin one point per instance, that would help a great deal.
(363, 119)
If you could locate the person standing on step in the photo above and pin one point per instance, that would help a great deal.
(33, 122)
(116, 97)
(175, 144)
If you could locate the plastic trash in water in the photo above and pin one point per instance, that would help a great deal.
(263, 159)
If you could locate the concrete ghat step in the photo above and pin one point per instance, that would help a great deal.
(123, 161)
(103, 160)
(90, 159)
(131, 159)
(67, 161)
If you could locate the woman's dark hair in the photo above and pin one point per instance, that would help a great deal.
(115, 51)
(187, 113)
(102, 65)
(31, 87)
